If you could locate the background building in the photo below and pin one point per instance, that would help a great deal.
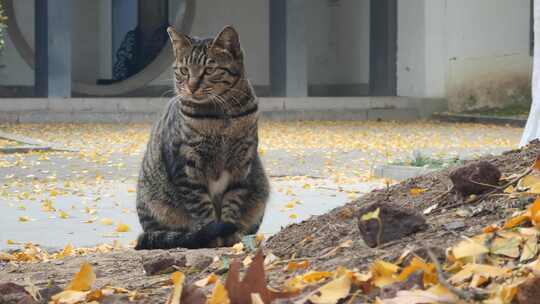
(472, 53)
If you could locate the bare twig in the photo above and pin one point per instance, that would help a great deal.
(487, 243)
(467, 295)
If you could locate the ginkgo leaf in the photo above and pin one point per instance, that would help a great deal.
(178, 281)
(506, 246)
(24, 218)
(468, 248)
(70, 297)
(83, 280)
(106, 221)
(517, 220)
(219, 295)
(294, 265)
(121, 227)
(428, 269)
(420, 297)
(373, 215)
(416, 191)
(331, 292)
(383, 273)
(210, 279)
(534, 211)
(63, 214)
(316, 276)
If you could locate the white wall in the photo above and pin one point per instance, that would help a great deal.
(411, 49)
(475, 53)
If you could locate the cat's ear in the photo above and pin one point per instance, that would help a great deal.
(227, 41)
(179, 41)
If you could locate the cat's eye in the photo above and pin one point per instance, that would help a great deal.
(184, 71)
(209, 71)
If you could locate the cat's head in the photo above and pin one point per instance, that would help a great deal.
(205, 69)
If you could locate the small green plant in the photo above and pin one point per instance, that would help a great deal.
(420, 160)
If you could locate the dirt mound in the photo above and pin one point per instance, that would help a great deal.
(325, 241)
(450, 220)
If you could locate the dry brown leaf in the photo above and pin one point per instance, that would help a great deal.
(83, 280)
(254, 281)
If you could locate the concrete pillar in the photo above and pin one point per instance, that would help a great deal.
(53, 48)
(105, 39)
(288, 54)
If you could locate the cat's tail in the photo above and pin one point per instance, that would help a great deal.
(166, 239)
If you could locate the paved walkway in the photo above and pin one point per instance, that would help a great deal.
(52, 198)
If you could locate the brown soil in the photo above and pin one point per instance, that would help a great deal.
(314, 239)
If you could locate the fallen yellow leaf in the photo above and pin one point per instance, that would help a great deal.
(210, 279)
(429, 270)
(373, 215)
(219, 295)
(468, 248)
(506, 246)
(534, 211)
(517, 220)
(63, 214)
(417, 191)
(121, 227)
(106, 221)
(383, 273)
(178, 280)
(238, 248)
(331, 292)
(83, 280)
(70, 297)
(293, 265)
(24, 218)
(316, 276)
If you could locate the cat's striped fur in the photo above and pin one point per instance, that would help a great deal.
(201, 182)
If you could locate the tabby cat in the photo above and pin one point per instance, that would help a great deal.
(201, 182)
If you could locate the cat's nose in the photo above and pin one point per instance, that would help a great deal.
(193, 85)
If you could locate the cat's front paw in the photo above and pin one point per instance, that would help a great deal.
(211, 232)
(232, 239)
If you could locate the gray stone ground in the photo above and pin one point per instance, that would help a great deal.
(56, 198)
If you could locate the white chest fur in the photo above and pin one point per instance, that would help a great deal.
(217, 187)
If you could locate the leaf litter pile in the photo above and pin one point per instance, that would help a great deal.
(478, 245)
